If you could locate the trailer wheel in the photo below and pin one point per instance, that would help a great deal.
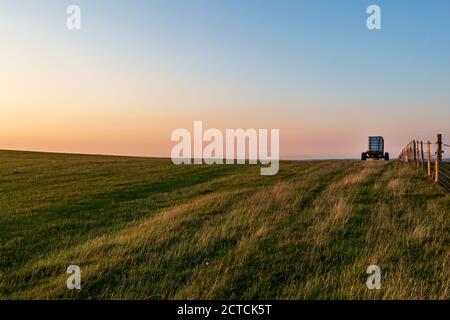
(363, 156)
(386, 156)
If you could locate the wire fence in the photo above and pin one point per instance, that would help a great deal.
(433, 159)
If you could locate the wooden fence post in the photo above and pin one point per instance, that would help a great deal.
(421, 156)
(410, 151)
(438, 156)
(418, 155)
(406, 153)
(429, 157)
(414, 152)
(439, 142)
(405, 156)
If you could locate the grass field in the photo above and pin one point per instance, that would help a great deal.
(146, 229)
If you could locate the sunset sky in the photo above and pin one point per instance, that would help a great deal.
(140, 69)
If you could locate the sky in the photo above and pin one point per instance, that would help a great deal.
(137, 70)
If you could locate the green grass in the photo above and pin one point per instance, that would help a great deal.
(146, 229)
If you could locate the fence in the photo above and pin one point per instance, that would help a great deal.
(431, 159)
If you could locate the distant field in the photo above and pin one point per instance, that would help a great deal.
(147, 229)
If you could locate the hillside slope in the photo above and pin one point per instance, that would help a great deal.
(144, 228)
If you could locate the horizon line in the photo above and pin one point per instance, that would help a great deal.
(163, 157)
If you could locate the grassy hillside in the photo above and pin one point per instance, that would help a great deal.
(144, 228)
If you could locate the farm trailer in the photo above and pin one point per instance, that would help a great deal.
(375, 149)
